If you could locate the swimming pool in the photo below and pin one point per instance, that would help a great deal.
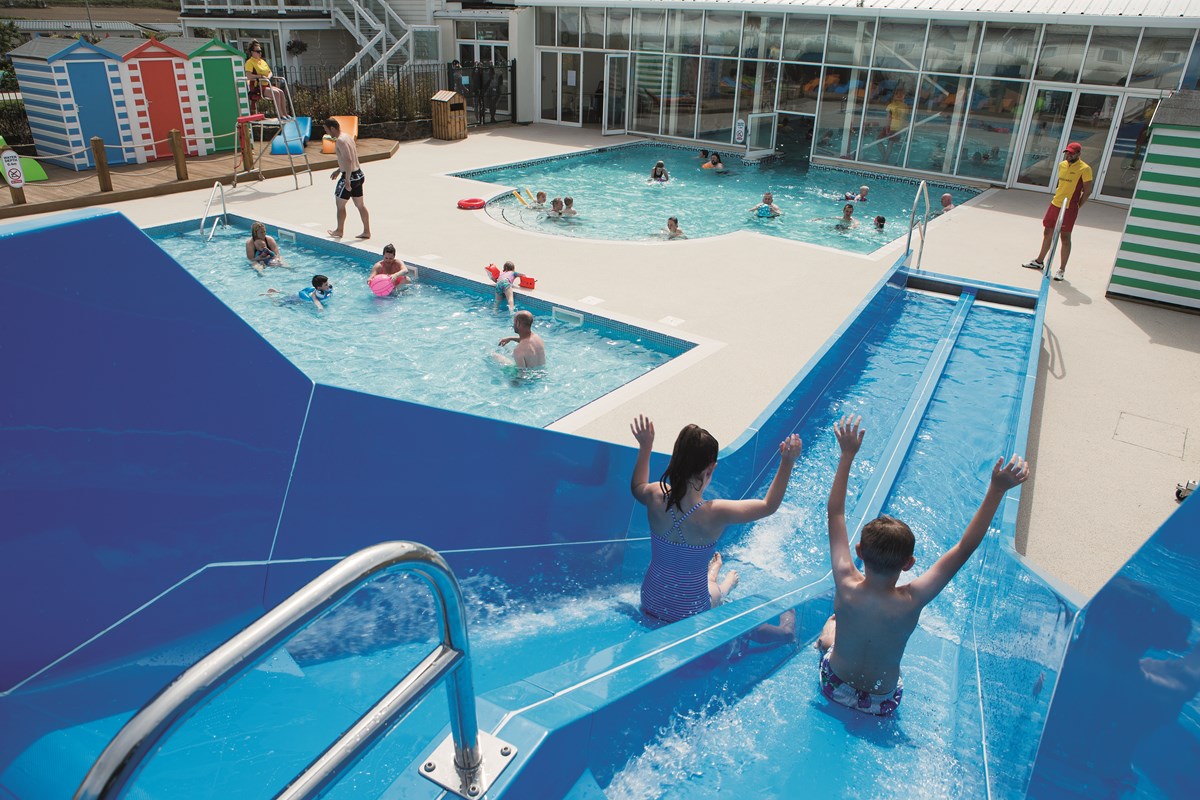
(430, 344)
(615, 200)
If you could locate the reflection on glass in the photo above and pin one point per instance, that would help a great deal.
(839, 112)
(718, 86)
(568, 27)
(762, 35)
(849, 40)
(1160, 58)
(681, 77)
(1039, 161)
(1007, 50)
(804, 38)
(722, 33)
(899, 44)
(492, 31)
(570, 86)
(799, 87)
(887, 117)
(1109, 56)
(1094, 116)
(1129, 147)
(592, 28)
(1061, 55)
(546, 31)
(618, 75)
(683, 31)
(993, 110)
(647, 87)
(549, 86)
(952, 46)
(465, 29)
(618, 29)
(649, 29)
(938, 116)
(756, 93)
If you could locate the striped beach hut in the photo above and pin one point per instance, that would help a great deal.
(155, 79)
(218, 97)
(1159, 257)
(73, 90)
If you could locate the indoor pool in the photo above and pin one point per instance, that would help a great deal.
(431, 344)
(615, 199)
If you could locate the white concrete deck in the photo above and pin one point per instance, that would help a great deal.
(1118, 385)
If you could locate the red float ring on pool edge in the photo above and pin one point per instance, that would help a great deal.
(472, 203)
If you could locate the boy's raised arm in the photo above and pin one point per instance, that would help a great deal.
(849, 436)
(1004, 477)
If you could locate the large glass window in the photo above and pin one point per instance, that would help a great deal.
(849, 40)
(681, 80)
(718, 86)
(547, 33)
(1109, 56)
(799, 87)
(618, 29)
(993, 117)
(756, 88)
(649, 29)
(1129, 147)
(464, 29)
(491, 31)
(804, 38)
(549, 86)
(952, 46)
(568, 27)
(683, 31)
(762, 35)
(647, 86)
(937, 120)
(1160, 58)
(1007, 50)
(722, 33)
(1061, 55)
(591, 32)
(887, 117)
(839, 112)
(899, 44)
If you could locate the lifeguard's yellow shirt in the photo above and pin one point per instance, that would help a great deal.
(1070, 176)
(897, 112)
(257, 66)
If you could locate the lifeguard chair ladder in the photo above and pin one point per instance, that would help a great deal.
(252, 165)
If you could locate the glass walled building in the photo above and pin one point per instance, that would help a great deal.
(919, 85)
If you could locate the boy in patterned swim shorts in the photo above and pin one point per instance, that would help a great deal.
(873, 617)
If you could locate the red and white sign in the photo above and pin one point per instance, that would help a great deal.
(12, 169)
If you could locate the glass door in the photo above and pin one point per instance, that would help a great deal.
(570, 109)
(616, 81)
(1092, 124)
(548, 88)
(1128, 149)
(760, 134)
(1045, 128)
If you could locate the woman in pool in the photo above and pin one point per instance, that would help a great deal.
(659, 174)
(262, 250)
(684, 573)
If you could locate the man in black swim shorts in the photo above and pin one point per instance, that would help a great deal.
(350, 180)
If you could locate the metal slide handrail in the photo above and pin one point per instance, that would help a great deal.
(124, 757)
(217, 187)
(1062, 214)
(923, 188)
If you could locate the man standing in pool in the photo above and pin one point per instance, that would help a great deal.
(530, 351)
(350, 180)
(1074, 184)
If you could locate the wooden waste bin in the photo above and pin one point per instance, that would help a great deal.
(449, 115)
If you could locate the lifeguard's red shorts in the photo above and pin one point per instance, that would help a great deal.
(1052, 217)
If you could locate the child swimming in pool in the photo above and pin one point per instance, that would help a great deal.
(863, 641)
(659, 174)
(504, 285)
(684, 573)
(861, 197)
(317, 294)
(673, 231)
(539, 203)
(568, 209)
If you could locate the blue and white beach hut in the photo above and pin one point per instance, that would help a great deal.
(73, 91)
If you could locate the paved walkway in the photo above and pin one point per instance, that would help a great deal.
(1117, 391)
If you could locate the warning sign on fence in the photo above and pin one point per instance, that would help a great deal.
(12, 169)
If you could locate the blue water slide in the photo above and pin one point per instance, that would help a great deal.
(292, 137)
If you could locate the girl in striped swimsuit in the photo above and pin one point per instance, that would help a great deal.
(683, 576)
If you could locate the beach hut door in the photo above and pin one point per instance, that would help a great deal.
(162, 102)
(94, 105)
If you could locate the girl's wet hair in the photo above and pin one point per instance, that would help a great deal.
(695, 451)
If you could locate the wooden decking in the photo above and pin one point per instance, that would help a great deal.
(68, 189)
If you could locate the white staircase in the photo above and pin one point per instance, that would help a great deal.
(383, 38)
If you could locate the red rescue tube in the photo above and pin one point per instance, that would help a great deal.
(472, 203)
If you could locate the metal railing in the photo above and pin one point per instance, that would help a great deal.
(224, 220)
(1047, 269)
(123, 758)
(922, 190)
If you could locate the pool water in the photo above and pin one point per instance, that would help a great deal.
(616, 201)
(432, 344)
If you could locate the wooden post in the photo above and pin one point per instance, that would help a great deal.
(18, 196)
(247, 146)
(180, 156)
(102, 173)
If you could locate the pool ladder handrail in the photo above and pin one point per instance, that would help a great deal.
(124, 757)
(224, 219)
(1054, 239)
(922, 189)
